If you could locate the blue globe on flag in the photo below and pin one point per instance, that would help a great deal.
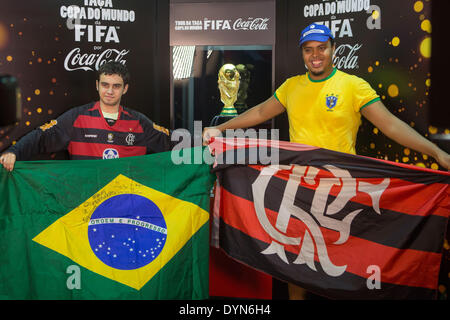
(127, 231)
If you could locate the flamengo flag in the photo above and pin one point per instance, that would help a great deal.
(340, 225)
(129, 228)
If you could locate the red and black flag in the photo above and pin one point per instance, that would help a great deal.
(339, 225)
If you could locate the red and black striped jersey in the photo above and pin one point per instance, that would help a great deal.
(86, 134)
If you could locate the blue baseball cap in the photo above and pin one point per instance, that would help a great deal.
(316, 32)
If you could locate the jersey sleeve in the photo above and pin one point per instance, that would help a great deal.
(363, 94)
(282, 92)
(51, 137)
(157, 138)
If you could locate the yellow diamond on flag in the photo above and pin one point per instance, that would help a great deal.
(126, 231)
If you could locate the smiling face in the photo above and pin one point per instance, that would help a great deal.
(111, 88)
(318, 57)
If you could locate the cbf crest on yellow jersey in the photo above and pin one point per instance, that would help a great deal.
(326, 113)
(331, 101)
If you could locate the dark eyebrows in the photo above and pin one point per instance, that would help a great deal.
(103, 83)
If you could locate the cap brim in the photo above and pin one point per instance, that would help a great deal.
(315, 37)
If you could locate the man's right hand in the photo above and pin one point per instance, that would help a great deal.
(8, 160)
(210, 132)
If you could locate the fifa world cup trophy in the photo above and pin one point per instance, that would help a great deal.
(228, 83)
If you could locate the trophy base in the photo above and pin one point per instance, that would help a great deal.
(229, 112)
(221, 118)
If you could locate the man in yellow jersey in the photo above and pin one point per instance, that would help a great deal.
(324, 108)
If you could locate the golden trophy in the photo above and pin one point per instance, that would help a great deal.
(228, 83)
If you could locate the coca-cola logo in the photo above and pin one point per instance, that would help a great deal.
(345, 57)
(75, 60)
(252, 24)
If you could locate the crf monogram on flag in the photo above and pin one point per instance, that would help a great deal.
(340, 225)
(321, 213)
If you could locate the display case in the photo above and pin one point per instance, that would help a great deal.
(208, 36)
(196, 94)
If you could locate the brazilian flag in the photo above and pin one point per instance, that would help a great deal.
(130, 228)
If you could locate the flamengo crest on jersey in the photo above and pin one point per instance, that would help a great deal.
(130, 139)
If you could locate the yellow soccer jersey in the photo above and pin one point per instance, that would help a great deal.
(325, 113)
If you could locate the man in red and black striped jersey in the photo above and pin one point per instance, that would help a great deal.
(98, 130)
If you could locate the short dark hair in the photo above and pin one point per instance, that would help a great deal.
(114, 67)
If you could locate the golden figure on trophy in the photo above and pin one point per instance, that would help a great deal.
(228, 83)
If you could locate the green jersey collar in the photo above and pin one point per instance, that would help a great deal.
(331, 74)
